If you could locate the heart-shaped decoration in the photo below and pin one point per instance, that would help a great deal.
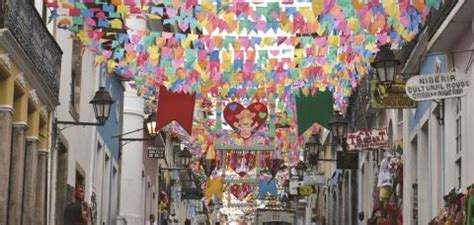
(183, 25)
(242, 164)
(240, 191)
(245, 121)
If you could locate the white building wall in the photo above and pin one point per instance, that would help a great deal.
(132, 195)
(426, 146)
(81, 141)
(469, 111)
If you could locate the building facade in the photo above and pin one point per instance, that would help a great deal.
(437, 134)
(138, 195)
(30, 63)
(432, 139)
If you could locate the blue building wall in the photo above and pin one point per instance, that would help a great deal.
(427, 67)
(113, 126)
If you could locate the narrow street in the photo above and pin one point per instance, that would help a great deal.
(236, 112)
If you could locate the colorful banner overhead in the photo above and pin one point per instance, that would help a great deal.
(392, 97)
(175, 106)
(301, 59)
(314, 109)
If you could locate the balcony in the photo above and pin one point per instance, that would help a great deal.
(24, 22)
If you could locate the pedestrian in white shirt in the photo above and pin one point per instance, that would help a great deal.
(152, 220)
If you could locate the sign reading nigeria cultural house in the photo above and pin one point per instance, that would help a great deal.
(393, 97)
(438, 86)
(367, 139)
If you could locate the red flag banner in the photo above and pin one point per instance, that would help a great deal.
(175, 106)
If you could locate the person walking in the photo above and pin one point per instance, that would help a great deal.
(151, 220)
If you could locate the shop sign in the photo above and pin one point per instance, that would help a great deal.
(370, 139)
(191, 194)
(347, 160)
(306, 190)
(394, 97)
(157, 152)
(294, 185)
(317, 179)
(438, 86)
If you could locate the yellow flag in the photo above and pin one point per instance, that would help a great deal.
(308, 14)
(214, 186)
(153, 52)
(226, 61)
(122, 9)
(318, 6)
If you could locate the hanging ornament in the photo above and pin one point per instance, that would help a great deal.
(241, 191)
(245, 121)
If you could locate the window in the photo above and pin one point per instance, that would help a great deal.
(458, 172)
(96, 164)
(76, 73)
(458, 126)
(400, 124)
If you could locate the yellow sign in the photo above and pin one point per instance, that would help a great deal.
(393, 97)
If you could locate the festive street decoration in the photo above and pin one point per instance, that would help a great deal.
(215, 186)
(245, 121)
(267, 188)
(175, 106)
(219, 49)
(242, 164)
(314, 109)
(240, 191)
(290, 62)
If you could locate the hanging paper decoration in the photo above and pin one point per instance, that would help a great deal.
(175, 106)
(245, 121)
(267, 188)
(241, 191)
(307, 56)
(210, 161)
(214, 187)
(242, 164)
(314, 109)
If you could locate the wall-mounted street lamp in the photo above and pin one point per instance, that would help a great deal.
(150, 124)
(312, 148)
(102, 103)
(385, 64)
(300, 169)
(185, 156)
(338, 125)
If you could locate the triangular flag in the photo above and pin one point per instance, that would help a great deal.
(314, 109)
(214, 186)
(175, 106)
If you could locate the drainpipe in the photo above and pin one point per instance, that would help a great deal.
(442, 153)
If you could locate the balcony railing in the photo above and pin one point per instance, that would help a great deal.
(26, 25)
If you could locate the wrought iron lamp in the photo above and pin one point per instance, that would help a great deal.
(300, 169)
(385, 64)
(338, 125)
(150, 123)
(185, 155)
(312, 148)
(102, 103)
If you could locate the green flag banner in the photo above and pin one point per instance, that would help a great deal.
(314, 109)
